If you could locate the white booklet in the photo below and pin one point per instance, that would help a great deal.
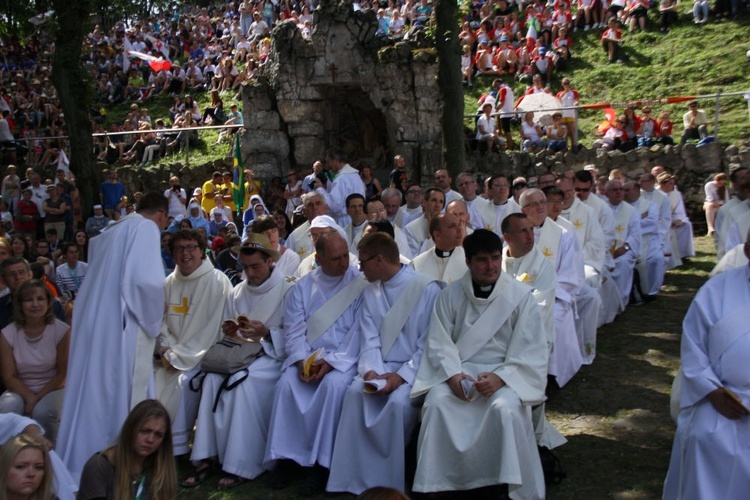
(374, 385)
(466, 385)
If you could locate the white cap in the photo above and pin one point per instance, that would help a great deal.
(323, 221)
(97, 206)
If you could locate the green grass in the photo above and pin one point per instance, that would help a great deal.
(690, 60)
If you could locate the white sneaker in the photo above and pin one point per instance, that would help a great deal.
(587, 27)
(575, 28)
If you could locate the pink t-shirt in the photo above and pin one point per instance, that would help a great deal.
(36, 360)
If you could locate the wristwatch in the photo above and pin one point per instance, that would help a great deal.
(626, 247)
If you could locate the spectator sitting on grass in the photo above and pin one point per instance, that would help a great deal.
(611, 39)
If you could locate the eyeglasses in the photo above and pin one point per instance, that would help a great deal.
(534, 204)
(15, 274)
(185, 248)
(377, 212)
(414, 191)
(520, 185)
(362, 262)
(582, 190)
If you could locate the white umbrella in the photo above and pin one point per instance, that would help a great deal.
(542, 104)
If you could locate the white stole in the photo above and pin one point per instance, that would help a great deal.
(322, 319)
(395, 319)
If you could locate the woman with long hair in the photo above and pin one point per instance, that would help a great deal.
(140, 463)
(34, 358)
(82, 240)
(25, 470)
(372, 184)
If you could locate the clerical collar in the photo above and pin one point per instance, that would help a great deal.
(482, 292)
(443, 254)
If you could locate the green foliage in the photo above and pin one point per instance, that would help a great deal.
(690, 60)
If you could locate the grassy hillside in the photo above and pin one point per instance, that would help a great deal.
(690, 60)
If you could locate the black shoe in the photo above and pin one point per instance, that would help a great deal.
(282, 475)
(315, 481)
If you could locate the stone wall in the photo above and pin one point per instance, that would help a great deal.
(346, 87)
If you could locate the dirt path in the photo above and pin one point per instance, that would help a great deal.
(615, 413)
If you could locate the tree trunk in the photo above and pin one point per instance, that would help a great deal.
(73, 89)
(450, 85)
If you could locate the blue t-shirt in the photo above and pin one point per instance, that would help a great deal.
(113, 193)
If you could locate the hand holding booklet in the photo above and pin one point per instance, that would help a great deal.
(307, 367)
(374, 385)
(466, 385)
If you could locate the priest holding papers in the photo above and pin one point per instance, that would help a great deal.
(321, 313)
(378, 416)
(484, 366)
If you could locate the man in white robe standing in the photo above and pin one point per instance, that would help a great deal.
(627, 246)
(233, 424)
(483, 367)
(560, 247)
(120, 309)
(313, 205)
(321, 313)
(446, 261)
(376, 425)
(345, 181)
(650, 264)
(195, 293)
(412, 209)
(418, 230)
(355, 209)
(709, 456)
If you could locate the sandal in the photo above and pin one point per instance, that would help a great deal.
(229, 481)
(199, 474)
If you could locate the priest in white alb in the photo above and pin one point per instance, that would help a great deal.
(235, 414)
(120, 308)
(195, 293)
(627, 246)
(320, 316)
(500, 204)
(483, 367)
(313, 205)
(376, 425)
(446, 261)
(523, 262)
(561, 248)
(710, 456)
(418, 230)
(650, 264)
(345, 181)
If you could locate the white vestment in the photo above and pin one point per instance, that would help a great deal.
(445, 269)
(737, 232)
(735, 257)
(475, 208)
(347, 182)
(300, 241)
(305, 416)
(606, 222)
(450, 196)
(119, 311)
(288, 262)
(405, 215)
(710, 458)
(561, 248)
(62, 484)
(664, 218)
(725, 217)
(192, 324)
(627, 231)
(493, 215)
(489, 440)
(417, 231)
(237, 430)
(536, 271)
(684, 233)
(398, 235)
(374, 430)
(650, 263)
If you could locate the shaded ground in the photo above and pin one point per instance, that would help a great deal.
(615, 413)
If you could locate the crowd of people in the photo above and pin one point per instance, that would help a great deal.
(310, 344)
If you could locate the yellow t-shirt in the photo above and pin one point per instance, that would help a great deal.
(208, 204)
(249, 191)
(231, 187)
